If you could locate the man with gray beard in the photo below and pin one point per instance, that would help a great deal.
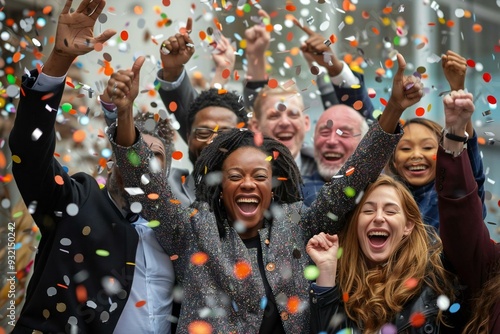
(337, 134)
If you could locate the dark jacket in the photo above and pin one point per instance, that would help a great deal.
(466, 240)
(77, 253)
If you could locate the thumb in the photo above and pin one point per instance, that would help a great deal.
(401, 67)
(105, 36)
(136, 68)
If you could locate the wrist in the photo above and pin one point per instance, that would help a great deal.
(336, 68)
(172, 74)
(57, 65)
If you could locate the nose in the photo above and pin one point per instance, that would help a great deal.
(416, 154)
(379, 217)
(247, 183)
(333, 138)
(284, 121)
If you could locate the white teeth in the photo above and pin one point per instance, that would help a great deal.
(247, 200)
(378, 234)
(284, 136)
(420, 167)
(332, 155)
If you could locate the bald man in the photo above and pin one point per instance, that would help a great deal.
(337, 134)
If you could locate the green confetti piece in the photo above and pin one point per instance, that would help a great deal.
(349, 192)
(247, 8)
(332, 216)
(66, 107)
(133, 158)
(340, 251)
(102, 252)
(11, 79)
(311, 272)
(154, 223)
(376, 113)
(17, 214)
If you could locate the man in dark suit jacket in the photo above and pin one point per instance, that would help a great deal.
(88, 273)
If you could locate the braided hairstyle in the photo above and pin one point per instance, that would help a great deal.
(207, 172)
(213, 98)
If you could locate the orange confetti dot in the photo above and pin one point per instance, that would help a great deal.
(477, 27)
(153, 196)
(174, 257)
(358, 105)
(222, 91)
(81, 293)
(3, 161)
(183, 179)
(276, 154)
(177, 155)
(387, 10)
(389, 63)
(269, 28)
(79, 136)
(47, 10)
(47, 96)
(348, 58)
(98, 47)
(236, 75)
(166, 3)
(272, 83)
(350, 171)
(289, 36)
(175, 201)
(199, 327)
(420, 111)
(140, 303)
(240, 125)
(383, 101)
(375, 31)
(290, 7)
(226, 73)
(59, 180)
(417, 319)
(172, 106)
(354, 43)
(202, 35)
(281, 178)
(242, 269)
(345, 297)
(293, 304)
(108, 71)
(411, 283)
(124, 35)
(481, 140)
(16, 57)
(199, 258)
(450, 23)
(138, 10)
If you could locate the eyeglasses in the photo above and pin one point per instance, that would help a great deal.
(205, 134)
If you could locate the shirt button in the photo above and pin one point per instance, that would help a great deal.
(284, 316)
(270, 266)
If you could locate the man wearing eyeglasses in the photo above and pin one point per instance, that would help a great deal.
(209, 114)
(337, 134)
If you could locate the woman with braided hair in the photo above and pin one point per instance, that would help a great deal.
(239, 249)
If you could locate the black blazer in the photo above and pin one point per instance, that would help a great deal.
(85, 262)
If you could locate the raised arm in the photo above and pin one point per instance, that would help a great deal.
(338, 197)
(343, 82)
(39, 177)
(224, 59)
(454, 69)
(175, 85)
(258, 39)
(466, 240)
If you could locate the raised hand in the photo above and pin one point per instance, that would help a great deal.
(123, 88)
(322, 249)
(75, 35)
(458, 109)
(317, 48)
(175, 52)
(406, 90)
(454, 68)
(224, 58)
(258, 39)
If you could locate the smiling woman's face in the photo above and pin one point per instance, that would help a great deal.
(247, 188)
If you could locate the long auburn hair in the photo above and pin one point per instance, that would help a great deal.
(376, 295)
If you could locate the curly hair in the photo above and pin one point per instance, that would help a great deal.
(377, 295)
(287, 180)
(213, 98)
(431, 125)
